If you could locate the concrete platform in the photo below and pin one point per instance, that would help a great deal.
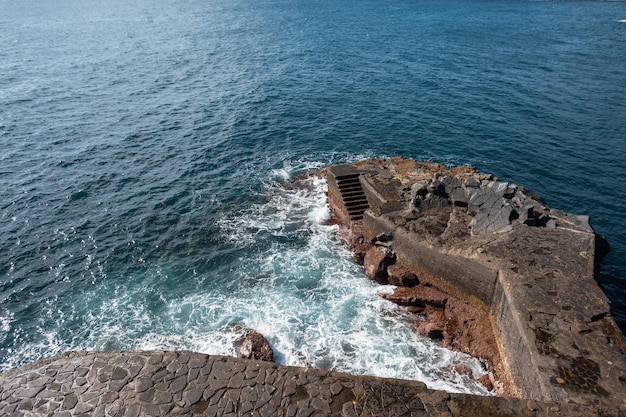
(157, 383)
(500, 247)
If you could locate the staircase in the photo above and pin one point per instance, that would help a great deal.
(350, 192)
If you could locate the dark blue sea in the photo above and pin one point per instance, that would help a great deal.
(146, 148)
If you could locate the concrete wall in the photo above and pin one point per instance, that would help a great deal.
(578, 361)
(516, 354)
(471, 278)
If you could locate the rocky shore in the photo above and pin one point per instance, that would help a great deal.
(490, 270)
(484, 266)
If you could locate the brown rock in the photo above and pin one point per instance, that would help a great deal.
(401, 276)
(418, 296)
(377, 260)
(485, 381)
(463, 369)
(433, 325)
(254, 345)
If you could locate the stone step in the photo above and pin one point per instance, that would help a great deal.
(356, 203)
(351, 187)
(348, 181)
(359, 206)
(352, 193)
(355, 197)
(357, 210)
(347, 177)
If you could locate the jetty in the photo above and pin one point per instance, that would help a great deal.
(484, 260)
(156, 383)
(486, 268)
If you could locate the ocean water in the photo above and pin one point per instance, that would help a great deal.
(147, 151)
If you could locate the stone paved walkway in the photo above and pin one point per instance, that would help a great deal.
(156, 383)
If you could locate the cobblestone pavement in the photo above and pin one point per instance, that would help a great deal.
(157, 383)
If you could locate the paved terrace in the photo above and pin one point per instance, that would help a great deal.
(156, 383)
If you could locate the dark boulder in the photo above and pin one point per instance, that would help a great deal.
(401, 276)
(253, 345)
(377, 260)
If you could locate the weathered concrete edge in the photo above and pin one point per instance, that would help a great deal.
(514, 344)
(468, 278)
(367, 388)
(490, 283)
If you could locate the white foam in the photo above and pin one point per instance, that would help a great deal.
(5, 323)
(295, 283)
(316, 307)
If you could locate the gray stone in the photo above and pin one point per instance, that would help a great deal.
(320, 404)
(214, 396)
(163, 397)
(217, 384)
(69, 402)
(277, 397)
(348, 410)
(472, 182)
(249, 394)
(39, 382)
(82, 408)
(227, 405)
(92, 393)
(192, 396)
(142, 384)
(178, 384)
(30, 392)
(183, 370)
(197, 362)
(460, 197)
(117, 385)
(26, 404)
(147, 395)
(67, 367)
(246, 407)
(236, 380)
(233, 394)
(151, 409)
(336, 388)
(119, 373)
(267, 410)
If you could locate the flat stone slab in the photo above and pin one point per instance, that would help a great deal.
(159, 383)
(343, 170)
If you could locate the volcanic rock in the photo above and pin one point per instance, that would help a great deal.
(518, 276)
(377, 260)
(253, 345)
(401, 276)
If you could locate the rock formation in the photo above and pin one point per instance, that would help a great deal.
(491, 270)
(253, 345)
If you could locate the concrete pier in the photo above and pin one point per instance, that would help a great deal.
(499, 247)
(156, 383)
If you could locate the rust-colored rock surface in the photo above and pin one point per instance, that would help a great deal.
(253, 345)
(377, 260)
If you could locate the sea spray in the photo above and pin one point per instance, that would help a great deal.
(303, 291)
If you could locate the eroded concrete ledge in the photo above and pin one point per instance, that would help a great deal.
(501, 248)
(157, 383)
